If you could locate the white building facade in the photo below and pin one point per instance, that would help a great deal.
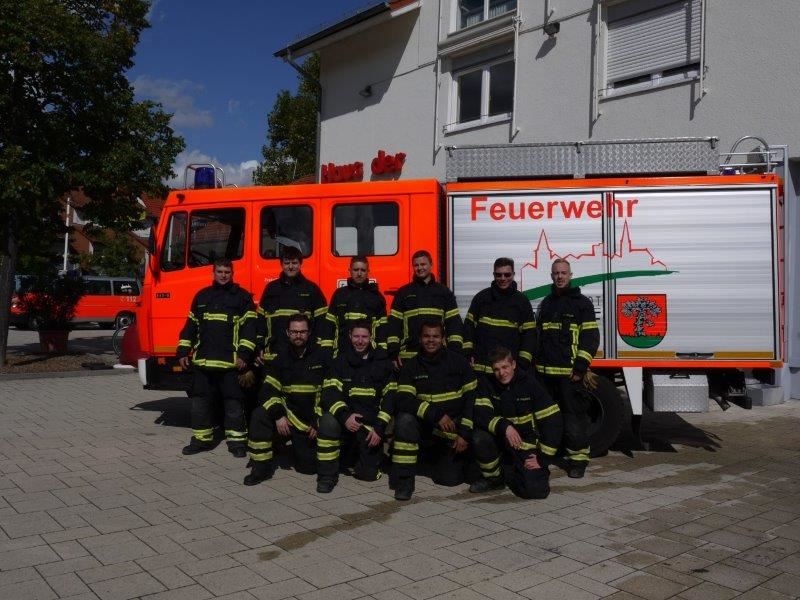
(422, 78)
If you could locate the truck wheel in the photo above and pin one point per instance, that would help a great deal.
(606, 415)
(124, 319)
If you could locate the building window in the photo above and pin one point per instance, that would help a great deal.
(483, 94)
(365, 229)
(651, 43)
(283, 226)
(472, 12)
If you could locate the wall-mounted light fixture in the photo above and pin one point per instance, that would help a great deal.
(366, 92)
(552, 28)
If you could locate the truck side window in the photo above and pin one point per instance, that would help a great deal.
(216, 234)
(286, 226)
(365, 229)
(173, 253)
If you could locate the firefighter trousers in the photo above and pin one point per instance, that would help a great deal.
(336, 445)
(446, 466)
(574, 407)
(260, 440)
(207, 385)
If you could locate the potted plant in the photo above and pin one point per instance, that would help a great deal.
(49, 304)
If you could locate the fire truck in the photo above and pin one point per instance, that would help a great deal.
(681, 259)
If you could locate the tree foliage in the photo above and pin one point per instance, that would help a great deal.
(68, 119)
(118, 257)
(291, 149)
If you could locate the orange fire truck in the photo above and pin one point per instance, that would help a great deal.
(685, 272)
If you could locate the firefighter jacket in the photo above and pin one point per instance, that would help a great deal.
(363, 385)
(432, 386)
(525, 404)
(500, 318)
(414, 303)
(567, 333)
(355, 302)
(293, 384)
(220, 328)
(282, 298)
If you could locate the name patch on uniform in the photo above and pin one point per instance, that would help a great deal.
(315, 367)
(423, 376)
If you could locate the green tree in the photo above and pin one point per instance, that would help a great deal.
(118, 257)
(68, 119)
(291, 149)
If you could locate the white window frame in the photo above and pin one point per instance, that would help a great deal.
(485, 118)
(656, 79)
(456, 15)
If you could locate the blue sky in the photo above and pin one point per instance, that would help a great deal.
(211, 64)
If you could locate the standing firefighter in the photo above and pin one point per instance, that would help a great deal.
(289, 294)
(568, 338)
(420, 300)
(358, 300)
(525, 423)
(356, 400)
(500, 315)
(220, 335)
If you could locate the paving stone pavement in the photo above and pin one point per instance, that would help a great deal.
(96, 502)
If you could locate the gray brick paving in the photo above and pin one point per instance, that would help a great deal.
(96, 502)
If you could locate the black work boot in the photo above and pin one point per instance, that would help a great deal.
(404, 489)
(238, 451)
(325, 485)
(194, 448)
(259, 473)
(486, 484)
(575, 470)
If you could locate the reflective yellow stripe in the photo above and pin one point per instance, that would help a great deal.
(272, 381)
(385, 417)
(451, 339)
(356, 391)
(482, 368)
(526, 355)
(586, 325)
(355, 316)
(333, 383)
(332, 455)
(275, 400)
(554, 370)
(296, 423)
(320, 311)
(259, 445)
(445, 434)
(585, 355)
(396, 314)
(469, 386)
(497, 322)
(470, 318)
(218, 364)
(337, 406)
(527, 446)
(408, 446)
(521, 420)
(546, 412)
(323, 443)
(443, 397)
(408, 389)
(547, 326)
(406, 354)
(216, 317)
(466, 423)
(527, 325)
(401, 459)
(282, 312)
(192, 317)
(493, 424)
(485, 402)
(235, 436)
(453, 312)
(423, 408)
(247, 344)
(259, 456)
(300, 389)
(184, 344)
(548, 450)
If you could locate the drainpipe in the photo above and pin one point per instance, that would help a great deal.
(316, 83)
(66, 233)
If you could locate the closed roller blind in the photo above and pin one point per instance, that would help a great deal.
(653, 41)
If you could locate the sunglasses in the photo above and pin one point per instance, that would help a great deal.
(503, 275)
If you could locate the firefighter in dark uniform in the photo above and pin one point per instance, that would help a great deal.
(359, 299)
(356, 404)
(289, 294)
(422, 299)
(220, 336)
(567, 341)
(524, 421)
(289, 403)
(434, 403)
(500, 315)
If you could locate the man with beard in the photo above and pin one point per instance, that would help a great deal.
(500, 315)
(356, 399)
(289, 403)
(358, 300)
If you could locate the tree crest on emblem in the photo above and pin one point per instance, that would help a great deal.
(642, 310)
(642, 319)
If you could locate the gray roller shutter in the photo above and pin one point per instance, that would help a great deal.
(652, 41)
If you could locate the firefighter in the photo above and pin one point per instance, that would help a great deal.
(421, 299)
(289, 403)
(567, 340)
(220, 336)
(500, 315)
(524, 421)
(359, 299)
(434, 401)
(356, 404)
(290, 293)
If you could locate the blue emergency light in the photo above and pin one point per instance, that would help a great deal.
(205, 178)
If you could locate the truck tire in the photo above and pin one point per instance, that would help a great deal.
(124, 319)
(606, 413)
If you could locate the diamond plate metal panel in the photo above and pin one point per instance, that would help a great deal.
(676, 392)
(579, 159)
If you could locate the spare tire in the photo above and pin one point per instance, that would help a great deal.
(605, 414)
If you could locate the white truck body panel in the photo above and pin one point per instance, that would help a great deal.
(674, 273)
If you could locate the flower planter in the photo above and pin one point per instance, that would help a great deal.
(53, 342)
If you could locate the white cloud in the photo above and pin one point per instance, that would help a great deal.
(240, 174)
(177, 98)
(233, 106)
